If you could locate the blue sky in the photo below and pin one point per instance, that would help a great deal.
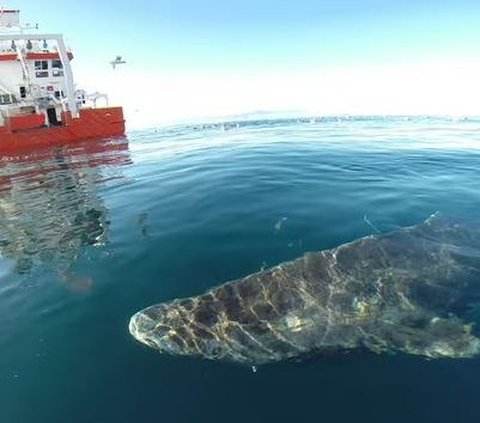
(267, 44)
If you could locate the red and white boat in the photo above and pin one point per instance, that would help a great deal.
(39, 104)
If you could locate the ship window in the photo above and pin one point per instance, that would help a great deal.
(57, 73)
(57, 64)
(41, 64)
(42, 74)
(23, 92)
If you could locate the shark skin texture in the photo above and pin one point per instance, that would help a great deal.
(401, 291)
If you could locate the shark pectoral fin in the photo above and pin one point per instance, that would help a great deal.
(436, 338)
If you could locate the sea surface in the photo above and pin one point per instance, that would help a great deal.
(93, 233)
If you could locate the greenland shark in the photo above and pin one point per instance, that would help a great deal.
(403, 291)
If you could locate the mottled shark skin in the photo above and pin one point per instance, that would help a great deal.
(394, 292)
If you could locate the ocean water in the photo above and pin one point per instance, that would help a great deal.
(93, 233)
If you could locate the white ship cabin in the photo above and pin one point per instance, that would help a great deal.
(35, 73)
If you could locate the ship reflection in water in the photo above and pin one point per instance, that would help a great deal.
(50, 209)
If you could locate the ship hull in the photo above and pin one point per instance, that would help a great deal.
(29, 132)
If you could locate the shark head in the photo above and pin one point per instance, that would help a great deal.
(190, 327)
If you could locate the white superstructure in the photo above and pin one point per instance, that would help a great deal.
(35, 72)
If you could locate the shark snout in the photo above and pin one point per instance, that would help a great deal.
(156, 328)
(141, 327)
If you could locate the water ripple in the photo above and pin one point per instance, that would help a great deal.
(89, 234)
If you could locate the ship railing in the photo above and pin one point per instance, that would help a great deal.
(85, 99)
(94, 97)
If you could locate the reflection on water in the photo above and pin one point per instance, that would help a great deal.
(6, 267)
(50, 208)
(142, 222)
(199, 207)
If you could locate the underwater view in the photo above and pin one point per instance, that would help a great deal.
(93, 235)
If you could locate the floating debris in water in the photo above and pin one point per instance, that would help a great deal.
(365, 218)
(142, 222)
(279, 224)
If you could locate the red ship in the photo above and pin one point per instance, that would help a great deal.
(39, 105)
